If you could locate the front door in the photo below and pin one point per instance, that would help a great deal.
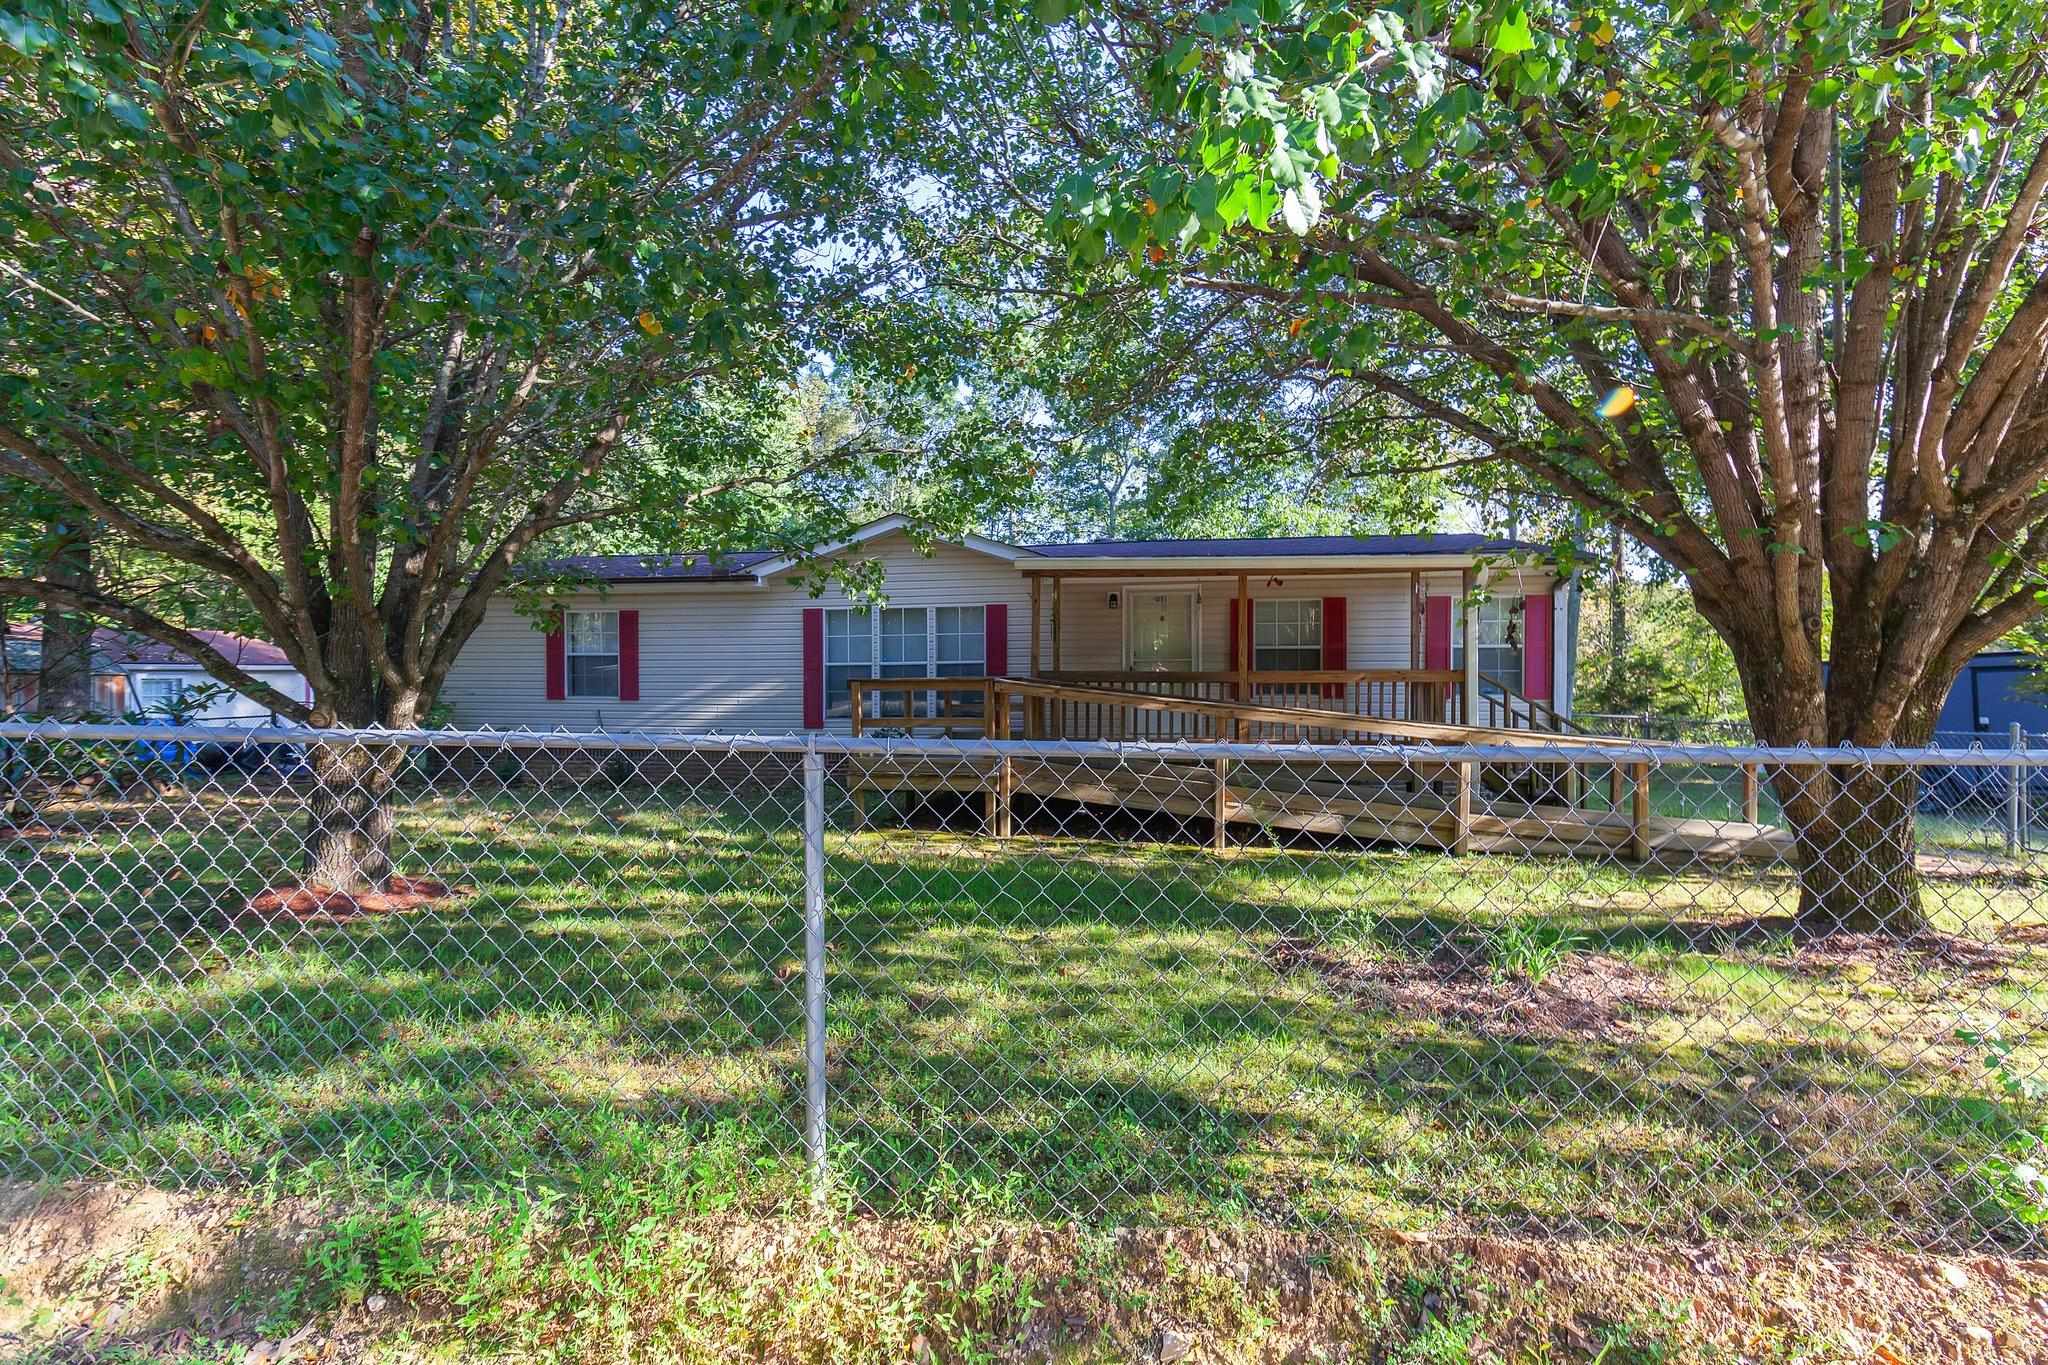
(1162, 638)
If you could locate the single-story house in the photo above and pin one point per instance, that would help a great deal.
(135, 673)
(1375, 625)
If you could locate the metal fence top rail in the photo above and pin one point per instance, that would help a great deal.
(1561, 751)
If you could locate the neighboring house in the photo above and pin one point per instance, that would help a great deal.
(736, 643)
(1996, 690)
(135, 673)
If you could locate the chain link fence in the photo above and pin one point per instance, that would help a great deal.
(1573, 990)
(2018, 795)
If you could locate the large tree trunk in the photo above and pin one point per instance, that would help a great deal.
(1853, 823)
(349, 816)
(64, 680)
(1854, 826)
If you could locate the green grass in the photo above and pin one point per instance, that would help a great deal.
(1032, 1028)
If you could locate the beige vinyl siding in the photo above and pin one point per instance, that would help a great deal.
(729, 657)
(713, 657)
(1376, 615)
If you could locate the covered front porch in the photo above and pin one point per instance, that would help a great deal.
(1256, 652)
(1274, 652)
(1262, 637)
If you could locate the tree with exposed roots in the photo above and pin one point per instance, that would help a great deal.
(1760, 283)
(349, 308)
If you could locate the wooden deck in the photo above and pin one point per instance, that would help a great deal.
(1458, 806)
(1371, 811)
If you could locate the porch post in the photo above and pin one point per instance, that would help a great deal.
(1032, 714)
(1417, 606)
(1056, 595)
(1243, 662)
(1037, 626)
(1058, 719)
(1471, 632)
(1418, 610)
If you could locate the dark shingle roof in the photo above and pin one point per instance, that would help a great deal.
(663, 568)
(1221, 547)
(739, 567)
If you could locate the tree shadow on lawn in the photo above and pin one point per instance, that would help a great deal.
(1038, 1031)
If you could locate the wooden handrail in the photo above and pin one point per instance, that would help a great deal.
(1227, 717)
(1302, 716)
(1559, 722)
(945, 718)
(1291, 675)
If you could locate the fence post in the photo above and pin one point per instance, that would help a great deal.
(1639, 815)
(814, 968)
(999, 817)
(1219, 816)
(1752, 796)
(1461, 837)
(2016, 799)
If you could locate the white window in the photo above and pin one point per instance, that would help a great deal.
(962, 642)
(157, 693)
(900, 642)
(849, 653)
(1287, 634)
(593, 653)
(903, 641)
(1500, 644)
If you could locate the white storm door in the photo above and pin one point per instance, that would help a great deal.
(1162, 636)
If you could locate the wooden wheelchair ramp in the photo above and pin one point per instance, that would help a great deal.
(1538, 804)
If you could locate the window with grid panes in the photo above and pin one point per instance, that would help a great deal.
(593, 653)
(849, 653)
(1287, 634)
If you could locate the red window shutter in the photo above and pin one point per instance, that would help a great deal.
(1537, 634)
(1336, 638)
(1436, 633)
(558, 659)
(995, 643)
(814, 668)
(629, 656)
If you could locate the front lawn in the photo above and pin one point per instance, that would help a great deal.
(1041, 1027)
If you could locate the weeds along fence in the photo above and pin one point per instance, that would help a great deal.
(1560, 990)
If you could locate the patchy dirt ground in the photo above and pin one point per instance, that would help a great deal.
(104, 1273)
(1587, 996)
(1907, 959)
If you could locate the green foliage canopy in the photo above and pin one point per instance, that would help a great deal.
(1594, 248)
(352, 309)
